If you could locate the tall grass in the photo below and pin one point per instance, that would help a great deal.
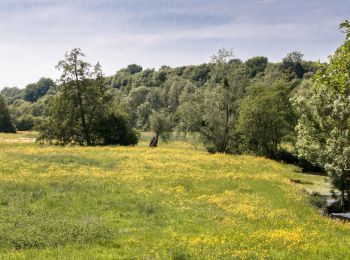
(173, 201)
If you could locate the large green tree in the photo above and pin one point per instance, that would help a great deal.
(213, 110)
(80, 103)
(6, 124)
(266, 116)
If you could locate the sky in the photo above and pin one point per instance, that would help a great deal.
(35, 34)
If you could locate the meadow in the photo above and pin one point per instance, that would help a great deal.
(172, 202)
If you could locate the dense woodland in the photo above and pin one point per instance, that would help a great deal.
(295, 110)
(187, 99)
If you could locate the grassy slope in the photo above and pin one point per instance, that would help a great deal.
(173, 201)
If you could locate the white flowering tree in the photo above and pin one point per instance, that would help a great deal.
(323, 129)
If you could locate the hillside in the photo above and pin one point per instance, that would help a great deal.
(175, 201)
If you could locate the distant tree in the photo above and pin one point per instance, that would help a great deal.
(173, 88)
(179, 71)
(34, 91)
(138, 95)
(21, 107)
(213, 110)
(199, 75)
(143, 113)
(25, 122)
(266, 117)
(256, 65)
(11, 94)
(6, 124)
(160, 77)
(134, 68)
(292, 64)
(136, 98)
(191, 111)
(144, 78)
(122, 79)
(161, 126)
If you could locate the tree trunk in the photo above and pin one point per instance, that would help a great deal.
(154, 141)
(342, 200)
(83, 121)
(81, 109)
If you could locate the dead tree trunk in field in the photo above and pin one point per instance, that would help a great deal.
(154, 141)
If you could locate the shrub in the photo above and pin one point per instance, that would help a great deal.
(317, 200)
(305, 165)
(25, 123)
(115, 129)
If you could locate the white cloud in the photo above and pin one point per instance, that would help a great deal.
(34, 35)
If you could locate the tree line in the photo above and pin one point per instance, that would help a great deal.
(293, 110)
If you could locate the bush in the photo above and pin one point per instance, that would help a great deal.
(317, 200)
(115, 129)
(25, 123)
(305, 165)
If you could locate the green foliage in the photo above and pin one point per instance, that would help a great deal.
(266, 117)
(256, 65)
(190, 111)
(33, 92)
(335, 75)
(25, 122)
(11, 94)
(78, 112)
(27, 115)
(134, 68)
(6, 124)
(80, 102)
(143, 113)
(323, 135)
(292, 65)
(197, 74)
(323, 127)
(317, 200)
(121, 79)
(136, 98)
(161, 125)
(212, 110)
(115, 129)
(173, 89)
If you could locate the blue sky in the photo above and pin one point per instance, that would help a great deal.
(35, 34)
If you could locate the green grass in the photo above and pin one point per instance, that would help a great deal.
(172, 202)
